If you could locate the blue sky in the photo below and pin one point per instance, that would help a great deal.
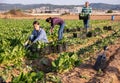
(60, 2)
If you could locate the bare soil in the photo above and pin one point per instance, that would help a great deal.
(86, 74)
(66, 17)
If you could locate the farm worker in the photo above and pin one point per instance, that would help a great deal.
(56, 21)
(38, 34)
(112, 17)
(86, 10)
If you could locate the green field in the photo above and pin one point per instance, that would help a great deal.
(15, 60)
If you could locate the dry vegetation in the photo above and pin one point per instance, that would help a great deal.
(18, 14)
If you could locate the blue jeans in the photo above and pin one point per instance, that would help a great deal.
(86, 24)
(60, 32)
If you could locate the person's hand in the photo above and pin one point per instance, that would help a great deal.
(26, 43)
(51, 31)
(28, 46)
(90, 14)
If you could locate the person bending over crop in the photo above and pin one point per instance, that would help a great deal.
(38, 34)
(86, 11)
(56, 21)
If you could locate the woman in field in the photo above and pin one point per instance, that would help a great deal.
(38, 34)
(56, 21)
(86, 11)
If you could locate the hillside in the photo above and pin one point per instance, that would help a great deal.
(4, 6)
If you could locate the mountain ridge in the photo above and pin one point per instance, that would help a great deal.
(99, 6)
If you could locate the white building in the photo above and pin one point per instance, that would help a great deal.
(61, 10)
(76, 10)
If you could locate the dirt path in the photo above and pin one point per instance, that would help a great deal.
(86, 74)
(66, 17)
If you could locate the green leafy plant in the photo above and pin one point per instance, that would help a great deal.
(32, 77)
(65, 62)
(51, 77)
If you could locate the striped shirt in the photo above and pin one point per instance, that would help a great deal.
(86, 10)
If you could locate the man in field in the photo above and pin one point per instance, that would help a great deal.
(38, 34)
(86, 11)
(56, 21)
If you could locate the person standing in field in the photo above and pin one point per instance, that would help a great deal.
(86, 11)
(56, 21)
(38, 34)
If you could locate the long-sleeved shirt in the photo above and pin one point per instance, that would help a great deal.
(86, 10)
(56, 21)
(38, 36)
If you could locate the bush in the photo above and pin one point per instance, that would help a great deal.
(109, 11)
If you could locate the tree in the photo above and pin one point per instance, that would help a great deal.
(109, 11)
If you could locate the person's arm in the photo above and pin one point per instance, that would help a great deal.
(90, 12)
(32, 36)
(28, 43)
(51, 30)
(82, 10)
(52, 26)
(41, 36)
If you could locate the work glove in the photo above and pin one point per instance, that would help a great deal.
(27, 44)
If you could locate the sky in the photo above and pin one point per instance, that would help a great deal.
(59, 2)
